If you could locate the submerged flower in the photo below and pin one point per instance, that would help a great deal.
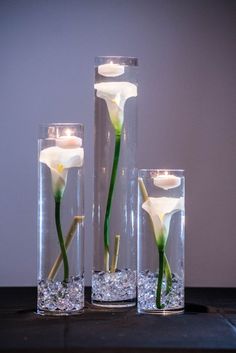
(59, 159)
(115, 94)
(161, 209)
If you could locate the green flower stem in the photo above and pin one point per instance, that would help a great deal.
(60, 238)
(160, 279)
(109, 199)
(167, 274)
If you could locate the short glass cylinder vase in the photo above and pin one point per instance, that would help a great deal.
(115, 183)
(60, 220)
(161, 241)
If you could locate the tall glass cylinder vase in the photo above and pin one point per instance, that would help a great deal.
(60, 220)
(161, 241)
(115, 183)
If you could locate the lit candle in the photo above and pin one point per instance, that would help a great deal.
(68, 140)
(111, 70)
(166, 181)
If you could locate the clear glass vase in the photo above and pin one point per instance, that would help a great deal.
(115, 183)
(160, 241)
(60, 220)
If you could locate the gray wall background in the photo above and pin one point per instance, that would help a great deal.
(186, 51)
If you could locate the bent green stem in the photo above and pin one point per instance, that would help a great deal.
(109, 200)
(167, 274)
(160, 279)
(60, 238)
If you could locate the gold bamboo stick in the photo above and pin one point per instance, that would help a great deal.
(143, 189)
(116, 253)
(68, 239)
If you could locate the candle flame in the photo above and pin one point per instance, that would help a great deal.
(68, 132)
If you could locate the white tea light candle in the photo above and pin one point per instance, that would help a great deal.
(111, 70)
(68, 142)
(166, 181)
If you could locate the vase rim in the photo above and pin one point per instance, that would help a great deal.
(61, 124)
(52, 129)
(162, 170)
(121, 59)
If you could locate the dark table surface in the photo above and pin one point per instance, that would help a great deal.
(208, 325)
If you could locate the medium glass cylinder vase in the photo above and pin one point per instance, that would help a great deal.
(115, 183)
(160, 241)
(60, 220)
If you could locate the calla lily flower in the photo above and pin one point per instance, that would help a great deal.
(161, 209)
(115, 94)
(59, 160)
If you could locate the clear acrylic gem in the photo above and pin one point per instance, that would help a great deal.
(114, 286)
(60, 296)
(147, 284)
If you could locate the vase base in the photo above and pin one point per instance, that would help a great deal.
(58, 313)
(114, 305)
(162, 312)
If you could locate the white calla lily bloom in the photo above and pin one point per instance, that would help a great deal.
(161, 209)
(59, 160)
(115, 94)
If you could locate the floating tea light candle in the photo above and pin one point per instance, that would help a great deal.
(166, 181)
(68, 140)
(111, 70)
